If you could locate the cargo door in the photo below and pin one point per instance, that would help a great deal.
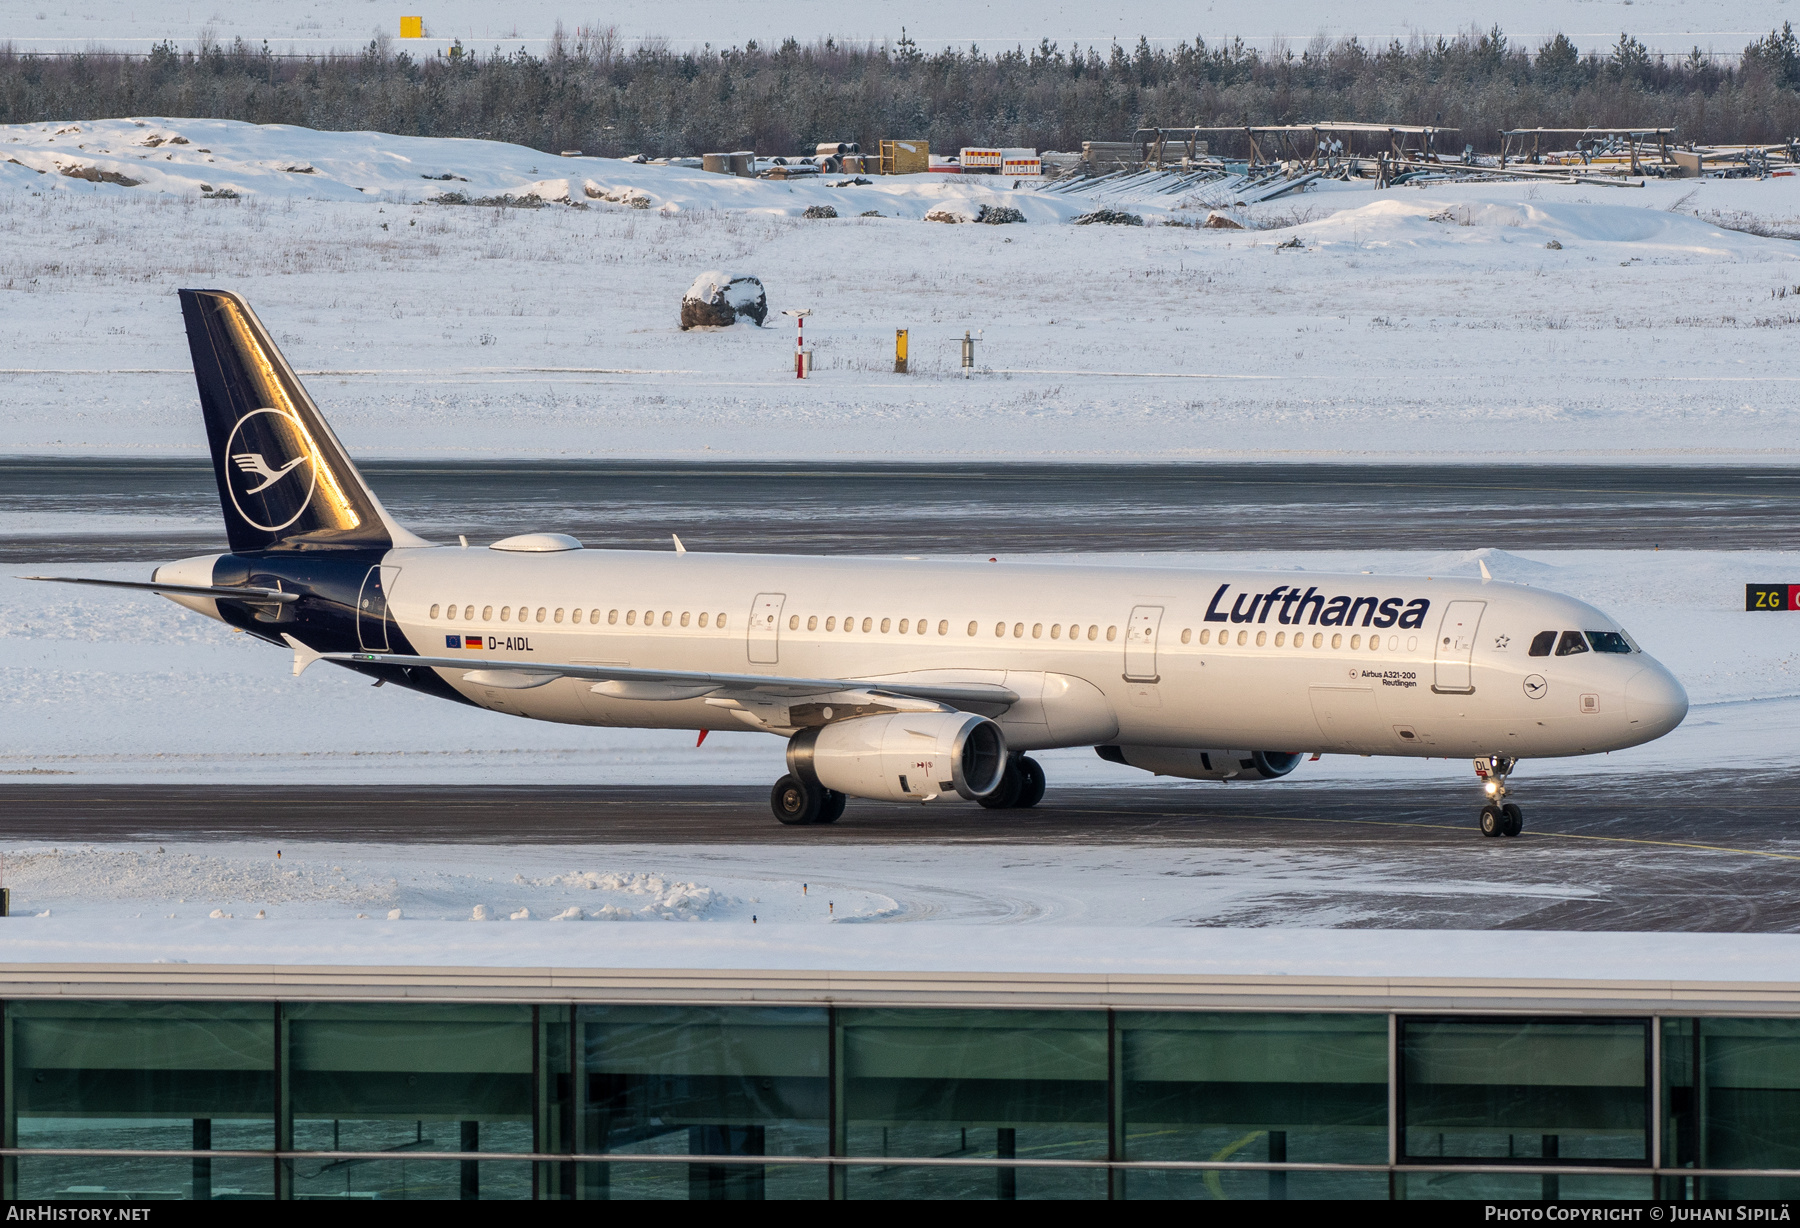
(371, 609)
(1456, 647)
(1349, 719)
(765, 628)
(1140, 643)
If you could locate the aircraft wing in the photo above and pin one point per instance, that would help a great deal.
(625, 682)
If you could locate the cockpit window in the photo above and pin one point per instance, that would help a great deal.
(1542, 643)
(1608, 641)
(1572, 642)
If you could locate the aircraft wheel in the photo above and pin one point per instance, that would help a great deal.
(1031, 774)
(794, 803)
(1005, 795)
(1515, 819)
(1493, 821)
(832, 808)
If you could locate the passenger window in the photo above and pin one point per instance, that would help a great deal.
(540, 614)
(904, 624)
(612, 616)
(668, 615)
(1570, 644)
(943, 626)
(574, 616)
(884, 625)
(434, 611)
(1262, 637)
(1374, 643)
(505, 612)
(649, 617)
(812, 621)
(1243, 638)
(971, 628)
(1608, 641)
(719, 621)
(594, 617)
(831, 623)
(704, 617)
(1542, 642)
(1018, 631)
(684, 618)
(1093, 631)
(921, 628)
(793, 622)
(868, 623)
(1355, 641)
(1205, 635)
(1281, 638)
(999, 630)
(630, 617)
(1112, 633)
(1056, 631)
(558, 617)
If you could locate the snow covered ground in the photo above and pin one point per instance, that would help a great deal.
(97, 685)
(1419, 323)
(1664, 25)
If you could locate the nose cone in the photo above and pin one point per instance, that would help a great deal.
(1654, 702)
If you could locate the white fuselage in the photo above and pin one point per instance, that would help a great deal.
(1139, 656)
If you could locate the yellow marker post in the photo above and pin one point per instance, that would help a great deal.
(412, 27)
(899, 351)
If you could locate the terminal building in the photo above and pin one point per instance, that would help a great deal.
(235, 1081)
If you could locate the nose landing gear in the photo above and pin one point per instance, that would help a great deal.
(1499, 817)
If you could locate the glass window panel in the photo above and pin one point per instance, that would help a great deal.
(1006, 1184)
(1309, 1088)
(1524, 1089)
(699, 1080)
(142, 1074)
(364, 1077)
(1524, 1187)
(105, 1178)
(974, 1083)
(438, 1180)
(1746, 1113)
(1141, 1183)
(703, 1182)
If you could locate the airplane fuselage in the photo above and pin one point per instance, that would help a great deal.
(1138, 656)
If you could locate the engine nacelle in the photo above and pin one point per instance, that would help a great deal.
(905, 756)
(1204, 764)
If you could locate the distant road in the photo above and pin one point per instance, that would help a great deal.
(1687, 851)
(956, 508)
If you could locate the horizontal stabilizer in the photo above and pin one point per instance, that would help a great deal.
(669, 682)
(253, 596)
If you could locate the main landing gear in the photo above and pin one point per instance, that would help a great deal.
(1499, 817)
(799, 804)
(1021, 785)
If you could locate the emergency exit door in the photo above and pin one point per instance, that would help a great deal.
(1140, 643)
(1456, 647)
(765, 628)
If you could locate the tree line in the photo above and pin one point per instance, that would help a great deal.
(589, 92)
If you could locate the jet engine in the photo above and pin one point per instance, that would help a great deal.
(905, 756)
(1204, 764)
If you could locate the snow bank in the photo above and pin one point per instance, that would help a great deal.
(209, 157)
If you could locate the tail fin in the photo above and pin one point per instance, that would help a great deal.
(284, 479)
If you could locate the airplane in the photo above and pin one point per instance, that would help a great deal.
(891, 679)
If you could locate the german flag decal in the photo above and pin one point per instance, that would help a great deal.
(472, 643)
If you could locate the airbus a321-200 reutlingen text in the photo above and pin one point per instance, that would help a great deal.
(899, 680)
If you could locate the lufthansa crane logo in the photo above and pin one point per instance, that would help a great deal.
(266, 448)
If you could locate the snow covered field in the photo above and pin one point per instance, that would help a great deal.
(116, 686)
(1664, 25)
(1419, 323)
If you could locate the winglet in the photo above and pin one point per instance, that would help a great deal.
(303, 656)
(1486, 575)
(679, 548)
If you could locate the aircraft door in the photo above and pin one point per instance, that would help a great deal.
(765, 628)
(371, 609)
(1456, 647)
(1140, 643)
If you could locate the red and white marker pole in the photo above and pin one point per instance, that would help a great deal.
(799, 341)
